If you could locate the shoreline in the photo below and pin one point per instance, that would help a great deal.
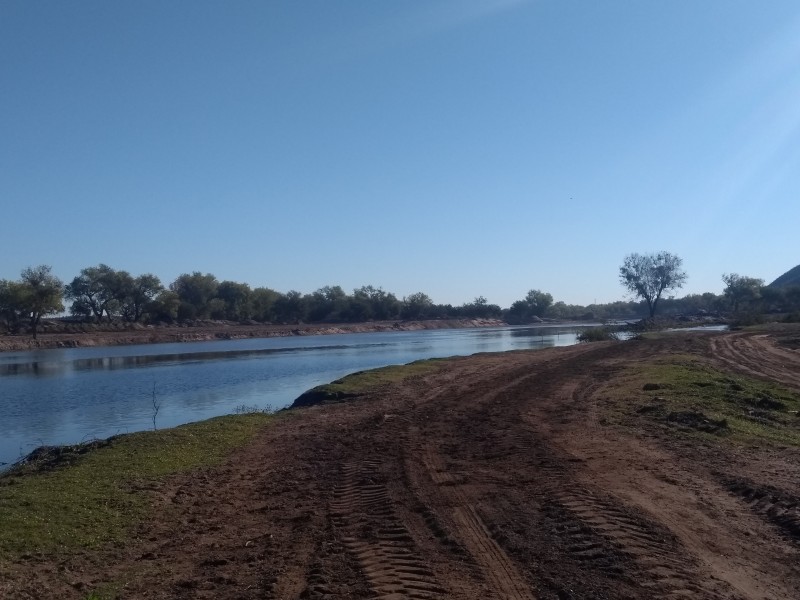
(220, 331)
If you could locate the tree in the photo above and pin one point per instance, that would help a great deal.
(374, 303)
(534, 306)
(327, 304)
(263, 303)
(11, 296)
(195, 292)
(416, 306)
(290, 307)
(137, 294)
(164, 307)
(40, 294)
(96, 291)
(538, 302)
(479, 308)
(648, 276)
(740, 289)
(237, 298)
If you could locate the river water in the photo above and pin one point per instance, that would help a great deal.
(65, 396)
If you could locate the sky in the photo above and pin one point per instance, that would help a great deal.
(461, 148)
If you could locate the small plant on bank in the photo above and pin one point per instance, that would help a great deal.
(156, 406)
(598, 334)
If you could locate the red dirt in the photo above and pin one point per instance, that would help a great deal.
(497, 477)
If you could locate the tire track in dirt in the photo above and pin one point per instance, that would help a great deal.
(455, 498)
(502, 476)
(669, 570)
(475, 536)
(601, 530)
(370, 530)
(777, 507)
(503, 576)
(757, 355)
(498, 439)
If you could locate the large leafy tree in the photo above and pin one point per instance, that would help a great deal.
(137, 293)
(369, 302)
(740, 289)
(531, 308)
(11, 301)
(538, 302)
(97, 291)
(237, 299)
(290, 307)
(262, 302)
(195, 292)
(39, 293)
(416, 306)
(164, 307)
(649, 276)
(328, 303)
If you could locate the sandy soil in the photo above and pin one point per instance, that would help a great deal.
(497, 477)
(75, 336)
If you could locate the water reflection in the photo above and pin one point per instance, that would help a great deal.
(46, 368)
(63, 396)
(543, 331)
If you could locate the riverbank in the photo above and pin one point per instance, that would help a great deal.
(81, 335)
(667, 466)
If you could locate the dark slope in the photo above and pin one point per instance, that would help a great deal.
(791, 277)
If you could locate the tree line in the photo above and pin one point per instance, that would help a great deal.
(102, 294)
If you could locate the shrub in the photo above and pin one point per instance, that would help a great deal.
(598, 334)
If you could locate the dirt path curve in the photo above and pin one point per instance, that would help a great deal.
(493, 479)
(758, 355)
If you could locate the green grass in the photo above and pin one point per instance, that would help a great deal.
(358, 383)
(102, 493)
(688, 394)
(93, 498)
(109, 591)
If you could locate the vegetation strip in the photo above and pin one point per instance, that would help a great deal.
(685, 393)
(109, 298)
(358, 383)
(81, 497)
(86, 500)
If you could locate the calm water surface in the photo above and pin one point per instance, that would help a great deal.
(69, 395)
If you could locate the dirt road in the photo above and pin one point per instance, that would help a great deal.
(501, 476)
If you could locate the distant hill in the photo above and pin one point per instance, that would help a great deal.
(791, 277)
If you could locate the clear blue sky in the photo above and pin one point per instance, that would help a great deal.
(455, 147)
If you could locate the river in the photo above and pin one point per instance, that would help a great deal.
(65, 396)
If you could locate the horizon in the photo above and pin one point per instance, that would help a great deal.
(461, 149)
(624, 298)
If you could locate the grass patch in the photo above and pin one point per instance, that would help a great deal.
(686, 393)
(94, 498)
(356, 384)
(109, 591)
